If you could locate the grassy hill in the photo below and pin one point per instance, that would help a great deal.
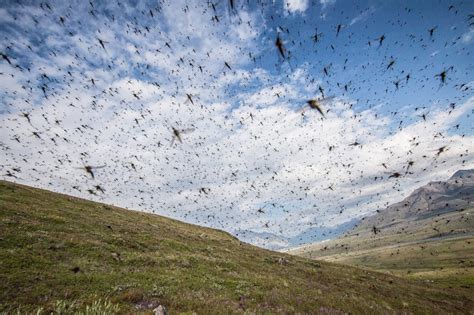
(438, 249)
(428, 236)
(64, 255)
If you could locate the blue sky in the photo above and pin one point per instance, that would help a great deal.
(253, 145)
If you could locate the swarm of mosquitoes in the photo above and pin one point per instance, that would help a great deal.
(45, 88)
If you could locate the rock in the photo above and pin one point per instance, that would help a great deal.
(160, 310)
(146, 305)
(116, 256)
(283, 261)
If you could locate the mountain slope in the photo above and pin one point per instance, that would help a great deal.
(279, 242)
(431, 200)
(62, 252)
(429, 235)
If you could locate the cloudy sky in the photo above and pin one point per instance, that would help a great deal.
(104, 83)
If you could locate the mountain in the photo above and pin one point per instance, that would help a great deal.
(278, 242)
(433, 199)
(61, 254)
(321, 233)
(429, 235)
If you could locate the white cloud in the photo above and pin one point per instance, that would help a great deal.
(296, 6)
(467, 37)
(251, 146)
(364, 15)
(326, 3)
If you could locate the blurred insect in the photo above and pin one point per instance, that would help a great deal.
(338, 29)
(89, 168)
(317, 104)
(381, 39)
(431, 31)
(375, 230)
(27, 116)
(395, 175)
(316, 37)
(5, 57)
(178, 132)
(280, 46)
(443, 74)
(190, 98)
(441, 150)
(102, 43)
(390, 64)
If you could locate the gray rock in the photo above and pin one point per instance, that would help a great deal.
(160, 310)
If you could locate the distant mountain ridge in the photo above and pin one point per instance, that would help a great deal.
(433, 199)
(311, 235)
(465, 174)
(428, 235)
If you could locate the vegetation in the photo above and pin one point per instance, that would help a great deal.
(63, 254)
(436, 249)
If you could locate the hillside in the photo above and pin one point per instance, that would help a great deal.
(431, 200)
(66, 254)
(429, 235)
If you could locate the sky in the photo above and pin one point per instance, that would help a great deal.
(104, 84)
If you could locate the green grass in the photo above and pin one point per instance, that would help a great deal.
(62, 253)
(438, 250)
